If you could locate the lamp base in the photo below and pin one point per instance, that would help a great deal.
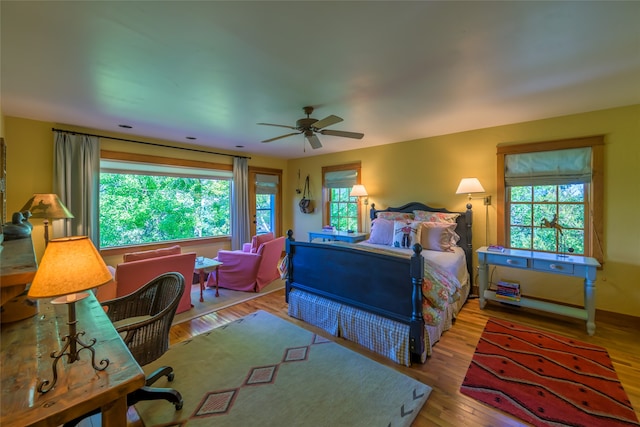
(73, 341)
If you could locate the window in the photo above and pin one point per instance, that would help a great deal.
(340, 210)
(551, 198)
(550, 218)
(266, 191)
(151, 202)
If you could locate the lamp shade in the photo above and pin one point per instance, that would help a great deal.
(47, 206)
(469, 185)
(69, 265)
(358, 191)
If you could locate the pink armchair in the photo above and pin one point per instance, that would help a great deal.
(140, 268)
(253, 267)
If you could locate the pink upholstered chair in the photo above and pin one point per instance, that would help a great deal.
(253, 267)
(140, 268)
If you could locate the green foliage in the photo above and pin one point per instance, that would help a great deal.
(343, 209)
(530, 205)
(138, 209)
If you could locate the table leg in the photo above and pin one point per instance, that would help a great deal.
(217, 294)
(114, 414)
(590, 305)
(201, 285)
(483, 283)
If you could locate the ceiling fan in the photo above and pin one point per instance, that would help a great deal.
(310, 126)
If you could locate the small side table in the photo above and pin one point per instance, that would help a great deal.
(572, 265)
(206, 265)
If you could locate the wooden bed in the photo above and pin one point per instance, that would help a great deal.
(342, 280)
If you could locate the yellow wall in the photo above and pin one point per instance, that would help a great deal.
(426, 170)
(30, 167)
(429, 170)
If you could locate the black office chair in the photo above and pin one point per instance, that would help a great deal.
(144, 319)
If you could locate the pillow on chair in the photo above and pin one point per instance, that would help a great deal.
(258, 240)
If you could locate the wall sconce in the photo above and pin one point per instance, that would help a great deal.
(359, 191)
(69, 266)
(470, 186)
(47, 206)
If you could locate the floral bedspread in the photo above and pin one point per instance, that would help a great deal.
(439, 287)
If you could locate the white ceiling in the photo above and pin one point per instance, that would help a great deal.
(393, 70)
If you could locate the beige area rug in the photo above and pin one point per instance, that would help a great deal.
(227, 298)
(264, 371)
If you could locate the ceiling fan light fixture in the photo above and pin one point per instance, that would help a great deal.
(310, 126)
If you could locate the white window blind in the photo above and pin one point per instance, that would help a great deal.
(340, 179)
(570, 166)
(266, 184)
(124, 167)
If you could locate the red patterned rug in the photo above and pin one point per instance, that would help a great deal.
(546, 379)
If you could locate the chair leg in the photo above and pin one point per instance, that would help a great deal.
(165, 371)
(156, 393)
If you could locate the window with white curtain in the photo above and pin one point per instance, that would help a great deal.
(143, 203)
(340, 209)
(266, 191)
(552, 196)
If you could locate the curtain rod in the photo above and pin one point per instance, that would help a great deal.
(149, 143)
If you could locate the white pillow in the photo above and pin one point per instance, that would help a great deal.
(438, 236)
(406, 233)
(381, 232)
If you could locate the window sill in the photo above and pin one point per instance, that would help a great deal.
(120, 250)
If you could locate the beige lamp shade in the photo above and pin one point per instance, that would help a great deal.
(469, 185)
(47, 206)
(69, 265)
(358, 190)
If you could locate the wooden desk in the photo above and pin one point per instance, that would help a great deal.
(342, 236)
(206, 265)
(18, 267)
(573, 265)
(25, 348)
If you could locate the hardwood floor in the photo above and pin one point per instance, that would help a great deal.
(444, 371)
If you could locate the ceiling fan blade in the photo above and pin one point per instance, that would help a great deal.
(345, 134)
(280, 126)
(313, 140)
(327, 121)
(281, 136)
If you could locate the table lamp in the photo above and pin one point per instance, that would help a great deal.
(69, 266)
(47, 206)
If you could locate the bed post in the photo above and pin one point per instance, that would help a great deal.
(289, 255)
(372, 212)
(416, 328)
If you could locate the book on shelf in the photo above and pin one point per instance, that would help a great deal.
(495, 248)
(508, 290)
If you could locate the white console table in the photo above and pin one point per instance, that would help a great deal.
(572, 265)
